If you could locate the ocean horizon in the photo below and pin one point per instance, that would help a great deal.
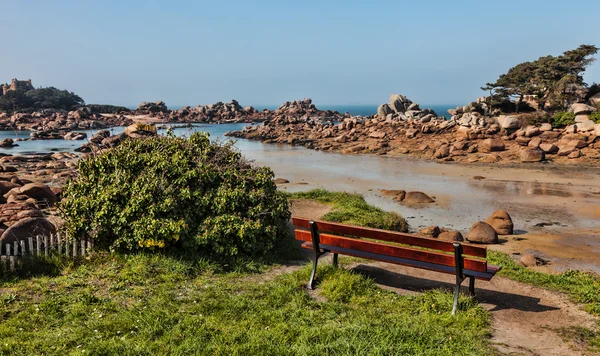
(362, 110)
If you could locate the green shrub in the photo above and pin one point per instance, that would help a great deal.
(595, 117)
(563, 118)
(165, 191)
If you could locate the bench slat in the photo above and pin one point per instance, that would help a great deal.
(391, 236)
(393, 251)
(485, 276)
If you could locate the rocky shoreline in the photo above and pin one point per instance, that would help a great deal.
(61, 124)
(30, 185)
(402, 128)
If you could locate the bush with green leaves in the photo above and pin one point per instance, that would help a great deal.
(595, 117)
(563, 118)
(168, 192)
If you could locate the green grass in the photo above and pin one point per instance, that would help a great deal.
(157, 304)
(352, 209)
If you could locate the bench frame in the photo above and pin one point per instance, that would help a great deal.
(458, 269)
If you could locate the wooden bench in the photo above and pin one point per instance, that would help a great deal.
(462, 260)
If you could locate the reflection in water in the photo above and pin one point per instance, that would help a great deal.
(525, 188)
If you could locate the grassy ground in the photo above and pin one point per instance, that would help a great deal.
(158, 304)
(352, 209)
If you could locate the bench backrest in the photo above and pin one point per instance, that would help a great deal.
(428, 250)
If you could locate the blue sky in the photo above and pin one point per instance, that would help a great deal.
(267, 52)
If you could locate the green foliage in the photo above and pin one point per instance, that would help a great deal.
(563, 118)
(165, 191)
(549, 79)
(582, 287)
(595, 117)
(353, 209)
(42, 98)
(152, 304)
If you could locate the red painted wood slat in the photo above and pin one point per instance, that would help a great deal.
(391, 236)
(395, 251)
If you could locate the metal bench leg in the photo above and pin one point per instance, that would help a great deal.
(458, 265)
(456, 294)
(317, 253)
(472, 286)
(335, 260)
(313, 275)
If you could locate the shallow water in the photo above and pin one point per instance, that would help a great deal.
(531, 196)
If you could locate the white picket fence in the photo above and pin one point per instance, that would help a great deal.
(12, 253)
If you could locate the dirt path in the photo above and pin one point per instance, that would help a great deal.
(309, 209)
(525, 318)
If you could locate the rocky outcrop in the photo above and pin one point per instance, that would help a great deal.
(401, 127)
(148, 107)
(58, 124)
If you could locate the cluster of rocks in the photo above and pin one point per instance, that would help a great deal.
(482, 232)
(232, 112)
(402, 108)
(56, 124)
(104, 140)
(401, 128)
(216, 113)
(30, 186)
(148, 108)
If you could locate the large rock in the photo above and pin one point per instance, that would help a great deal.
(383, 110)
(581, 109)
(417, 198)
(442, 152)
(501, 222)
(39, 192)
(75, 135)
(6, 186)
(397, 103)
(509, 122)
(431, 231)
(7, 142)
(451, 236)
(585, 126)
(115, 140)
(534, 155)
(492, 145)
(137, 130)
(157, 106)
(549, 148)
(482, 233)
(595, 100)
(29, 227)
(377, 134)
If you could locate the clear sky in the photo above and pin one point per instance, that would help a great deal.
(265, 52)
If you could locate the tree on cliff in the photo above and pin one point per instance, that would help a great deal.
(550, 80)
(42, 98)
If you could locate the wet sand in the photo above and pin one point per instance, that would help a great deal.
(566, 200)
